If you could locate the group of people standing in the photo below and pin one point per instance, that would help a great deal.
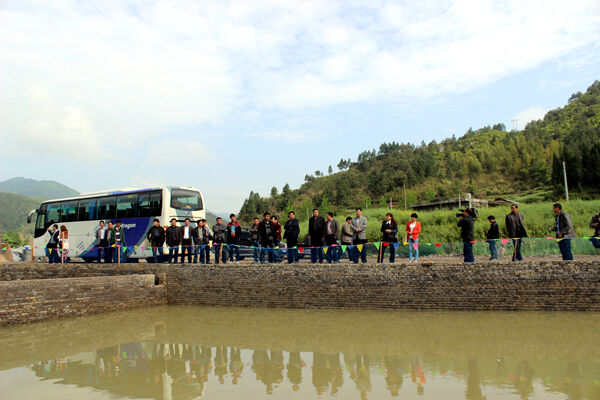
(515, 228)
(195, 241)
(326, 238)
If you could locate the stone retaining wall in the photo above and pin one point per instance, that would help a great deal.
(34, 300)
(530, 285)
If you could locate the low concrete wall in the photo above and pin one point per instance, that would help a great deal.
(34, 300)
(530, 285)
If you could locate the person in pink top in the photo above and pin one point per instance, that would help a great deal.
(413, 228)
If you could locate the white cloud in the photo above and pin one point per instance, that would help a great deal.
(129, 71)
(528, 115)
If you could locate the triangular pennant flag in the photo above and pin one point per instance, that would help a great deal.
(143, 248)
(385, 244)
(300, 250)
(124, 247)
(438, 244)
(359, 247)
(586, 237)
(325, 250)
(473, 241)
(559, 239)
(344, 248)
(35, 247)
(504, 241)
(549, 237)
(377, 245)
(135, 247)
(416, 246)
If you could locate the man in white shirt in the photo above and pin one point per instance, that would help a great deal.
(186, 240)
(101, 242)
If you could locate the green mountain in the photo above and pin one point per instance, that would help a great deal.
(14, 210)
(32, 187)
(525, 165)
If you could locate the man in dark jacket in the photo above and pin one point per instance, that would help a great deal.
(156, 239)
(173, 238)
(316, 231)
(201, 240)
(234, 231)
(516, 230)
(291, 233)
(595, 225)
(491, 235)
(266, 235)
(52, 245)
(255, 239)
(564, 231)
(110, 240)
(466, 225)
(331, 235)
(120, 242)
(220, 241)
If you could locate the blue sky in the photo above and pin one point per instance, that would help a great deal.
(237, 96)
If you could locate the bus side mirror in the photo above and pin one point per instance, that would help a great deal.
(29, 217)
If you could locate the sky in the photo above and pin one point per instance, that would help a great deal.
(234, 96)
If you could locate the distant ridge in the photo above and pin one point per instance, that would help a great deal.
(35, 188)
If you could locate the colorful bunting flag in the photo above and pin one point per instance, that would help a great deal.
(405, 243)
(300, 250)
(416, 246)
(325, 250)
(377, 245)
(504, 241)
(344, 248)
(438, 245)
(359, 247)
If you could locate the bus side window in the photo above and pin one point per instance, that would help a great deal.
(107, 208)
(86, 210)
(150, 204)
(68, 211)
(127, 205)
(53, 213)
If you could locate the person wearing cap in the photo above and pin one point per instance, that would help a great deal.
(234, 231)
(491, 235)
(173, 237)
(219, 241)
(156, 238)
(187, 233)
(346, 237)
(467, 225)
(202, 236)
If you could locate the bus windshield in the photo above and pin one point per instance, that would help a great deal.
(186, 200)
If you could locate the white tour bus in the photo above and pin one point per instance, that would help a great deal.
(136, 208)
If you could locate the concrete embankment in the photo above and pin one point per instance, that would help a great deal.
(32, 292)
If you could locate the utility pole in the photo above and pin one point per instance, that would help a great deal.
(565, 176)
(404, 190)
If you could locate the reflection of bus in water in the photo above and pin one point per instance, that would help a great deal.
(136, 208)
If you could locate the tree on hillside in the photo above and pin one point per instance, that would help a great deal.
(329, 170)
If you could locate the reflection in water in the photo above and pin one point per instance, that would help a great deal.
(353, 364)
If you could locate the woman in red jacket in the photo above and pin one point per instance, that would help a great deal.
(413, 228)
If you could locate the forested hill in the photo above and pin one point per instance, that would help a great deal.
(486, 162)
